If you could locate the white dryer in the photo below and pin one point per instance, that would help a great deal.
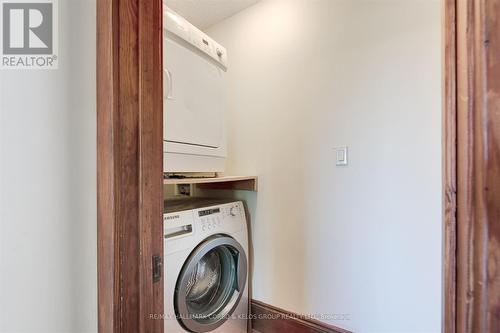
(206, 266)
(195, 98)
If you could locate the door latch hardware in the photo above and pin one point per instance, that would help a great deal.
(157, 268)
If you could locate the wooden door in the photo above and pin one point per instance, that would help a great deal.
(129, 164)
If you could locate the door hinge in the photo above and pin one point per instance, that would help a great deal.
(157, 268)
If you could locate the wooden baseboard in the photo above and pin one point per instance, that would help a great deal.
(270, 319)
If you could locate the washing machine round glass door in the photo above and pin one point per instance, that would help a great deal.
(210, 284)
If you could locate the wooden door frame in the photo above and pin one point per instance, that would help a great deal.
(449, 75)
(471, 166)
(130, 157)
(129, 164)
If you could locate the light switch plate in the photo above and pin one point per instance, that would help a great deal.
(341, 156)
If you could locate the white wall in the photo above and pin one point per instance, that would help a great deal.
(310, 75)
(48, 278)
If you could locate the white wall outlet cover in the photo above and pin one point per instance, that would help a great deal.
(341, 156)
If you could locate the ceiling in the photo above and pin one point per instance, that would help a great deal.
(204, 13)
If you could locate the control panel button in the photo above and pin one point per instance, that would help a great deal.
(234, 211)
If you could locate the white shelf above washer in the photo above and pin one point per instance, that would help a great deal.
(246, 183)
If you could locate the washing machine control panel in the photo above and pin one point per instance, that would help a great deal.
(224, 217)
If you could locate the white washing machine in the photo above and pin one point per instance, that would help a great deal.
(195, 98)
(206, 266)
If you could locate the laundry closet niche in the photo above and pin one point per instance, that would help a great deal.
(206, 240)
(303, 79)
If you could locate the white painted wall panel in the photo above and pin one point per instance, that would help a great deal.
(48, 264)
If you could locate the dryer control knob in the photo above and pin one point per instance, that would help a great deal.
(233, 211)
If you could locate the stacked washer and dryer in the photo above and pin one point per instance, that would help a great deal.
(205, 241)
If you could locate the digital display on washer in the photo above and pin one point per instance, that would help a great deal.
(208, 211)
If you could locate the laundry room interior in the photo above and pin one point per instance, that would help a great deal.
(250, 166)
(321, 121)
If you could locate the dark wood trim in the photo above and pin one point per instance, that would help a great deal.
(464, 291)
(478, 166)
(129, 164)
(107, 97)
(151, 162)
(449, 163)
(270, 319)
